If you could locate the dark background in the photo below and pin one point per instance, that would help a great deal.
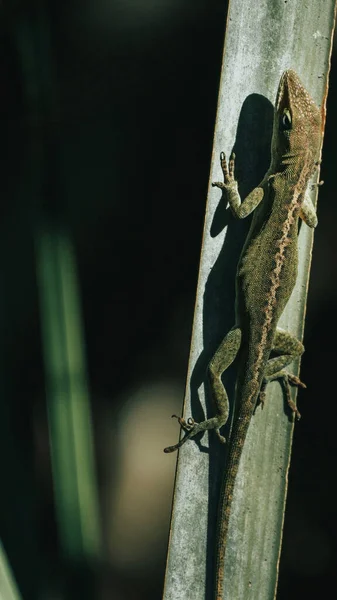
(134, 91)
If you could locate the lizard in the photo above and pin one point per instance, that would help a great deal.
(266, 275)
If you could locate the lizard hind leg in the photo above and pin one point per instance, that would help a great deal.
(289, 348)
(222, 359)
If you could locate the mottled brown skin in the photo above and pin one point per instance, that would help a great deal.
(266, 276)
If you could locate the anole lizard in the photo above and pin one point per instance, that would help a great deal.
(266, 275)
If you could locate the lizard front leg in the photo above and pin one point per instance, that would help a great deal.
(289, 348)
(308, 212)
(222, 359)
(229, 186)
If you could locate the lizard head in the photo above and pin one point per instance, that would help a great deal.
(297, 124)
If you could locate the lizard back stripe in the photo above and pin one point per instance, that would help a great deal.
(275, 280)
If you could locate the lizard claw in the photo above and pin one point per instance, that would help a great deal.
(318, 184)
(219, 184)
(227, 170)
(293, 380)
(262, 399)
(295, 410)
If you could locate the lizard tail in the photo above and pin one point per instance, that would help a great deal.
(238, 437)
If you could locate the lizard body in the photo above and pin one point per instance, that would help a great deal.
(266, 275)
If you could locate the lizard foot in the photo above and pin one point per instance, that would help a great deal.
(186, 425)
(262, 394)
(286, 379)
(289, 379)
(221, 438)
(192, 428)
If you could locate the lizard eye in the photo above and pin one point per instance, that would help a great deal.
(286, 123)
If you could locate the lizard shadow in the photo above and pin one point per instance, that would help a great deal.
(252, 149)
